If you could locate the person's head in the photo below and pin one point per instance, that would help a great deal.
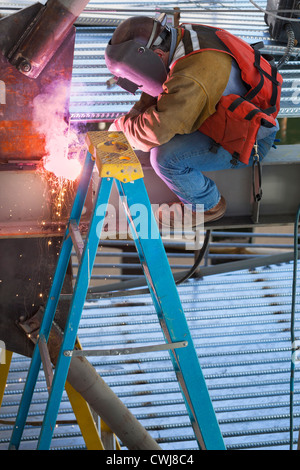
(138, 54)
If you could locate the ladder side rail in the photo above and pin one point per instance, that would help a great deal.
(72, 324)
(172, 319)
(52, 302)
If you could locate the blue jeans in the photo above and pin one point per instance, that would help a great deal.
(180, 162)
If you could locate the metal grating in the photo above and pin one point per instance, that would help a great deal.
(240, 323)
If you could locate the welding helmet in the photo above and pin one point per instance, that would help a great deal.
(129, 57)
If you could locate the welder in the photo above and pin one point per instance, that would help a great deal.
(209, 102)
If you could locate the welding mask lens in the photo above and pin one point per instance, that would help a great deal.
(127, 85)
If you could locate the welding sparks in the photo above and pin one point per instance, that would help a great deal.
(50, 119)
(57, 161)
(63, 167)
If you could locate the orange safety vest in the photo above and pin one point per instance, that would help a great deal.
(237, 119)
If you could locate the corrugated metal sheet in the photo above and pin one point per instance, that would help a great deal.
(91, 100)
(240, 324)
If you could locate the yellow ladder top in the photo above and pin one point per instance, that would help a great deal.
(114, 156)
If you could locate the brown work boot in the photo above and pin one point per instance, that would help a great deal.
(177, 216)
(216, 212)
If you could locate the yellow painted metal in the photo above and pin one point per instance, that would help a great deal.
(84, 419)
(107, 430)
(114, 156)
(118, 447)
(4, 370)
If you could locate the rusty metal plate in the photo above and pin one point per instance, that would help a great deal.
(21, 136)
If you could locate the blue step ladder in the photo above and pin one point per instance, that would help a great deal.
(117, 162)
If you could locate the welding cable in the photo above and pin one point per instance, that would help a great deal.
(128, 288)
(185, 277)
(294, 346)
(118, 290)
(199, 258)
(290, 46)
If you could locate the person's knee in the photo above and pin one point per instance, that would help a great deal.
(160, 159)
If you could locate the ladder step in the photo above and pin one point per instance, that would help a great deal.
(76, 238)
(118, 352)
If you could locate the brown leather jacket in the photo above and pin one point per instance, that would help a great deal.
(192, 90)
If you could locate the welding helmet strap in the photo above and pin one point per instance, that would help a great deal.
(152, 35)
(173, 33)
